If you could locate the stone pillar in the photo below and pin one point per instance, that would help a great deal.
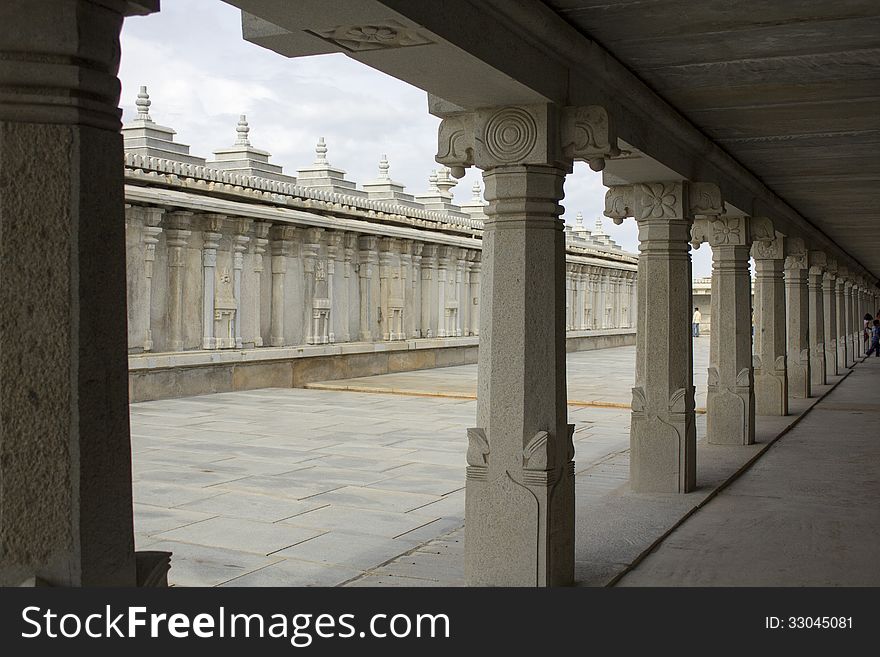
(798, 314)
(261, 232)
(520, 478)
(461, 286)
(351, 241)
(578, 315)
(829, 286)
(769, 360)
(367, 258)
(211, 236)
(407, 327)
(569, 301)
(443, 256)
(65, 452)
(152, 219)
(311, 251)
(856, 314)
(520, 472)
(593, 295)
(334, 257)
(730, 399)
(385, 265)
(663, 433)
(474, 297)
(177, 236)
(817, 262)
(239, 246)
(281, 245)
(847, 324)
(844, 344)
(429, 262)
(414, 323)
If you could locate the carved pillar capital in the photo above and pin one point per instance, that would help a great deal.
(542, 134)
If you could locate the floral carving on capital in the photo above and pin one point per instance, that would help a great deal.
(727, 231)
(658, 200)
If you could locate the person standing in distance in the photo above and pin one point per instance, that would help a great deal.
(698, 317)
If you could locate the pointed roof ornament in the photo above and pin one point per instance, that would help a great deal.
(579, 221)
(242, 130)
(599, 229)
(476, 192)
(383, 168)
(321, 152)
(143, 105)
(445, 182)
(432, 181)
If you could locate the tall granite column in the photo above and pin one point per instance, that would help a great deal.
(730, 399)
(519, 500)
(281, 245)
(769, 360)
(367, 258)
(152, 219)
(797, 302)
(177, 236)
(65, 451)
(261, 233)
(829, 286)
(239, 245)
(841, 321)
(663, 434)
(817, 262)
(849, 324)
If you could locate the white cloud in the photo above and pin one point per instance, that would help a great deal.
(201, 75)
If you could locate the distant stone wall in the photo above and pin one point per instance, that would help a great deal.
(232, 256)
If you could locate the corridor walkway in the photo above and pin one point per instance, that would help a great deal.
(806, 514)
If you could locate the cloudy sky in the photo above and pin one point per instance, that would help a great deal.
(201, 75)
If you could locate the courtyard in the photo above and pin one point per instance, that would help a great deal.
(361, 482)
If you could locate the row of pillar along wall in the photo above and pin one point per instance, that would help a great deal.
(65, 453)
(213, 281)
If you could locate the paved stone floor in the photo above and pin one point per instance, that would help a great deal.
(299, 487)
(806, 514)
(594, 377)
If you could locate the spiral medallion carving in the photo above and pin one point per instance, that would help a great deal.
(511, 134)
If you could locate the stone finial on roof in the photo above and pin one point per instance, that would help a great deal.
(143, 105)
(242, 130)
(579, 221)
(321, 152)
(599, 228)
(445, 182)
(476, 192)
(383, 168)
(432, 182)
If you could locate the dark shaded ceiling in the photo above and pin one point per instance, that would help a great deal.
(791, 89)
